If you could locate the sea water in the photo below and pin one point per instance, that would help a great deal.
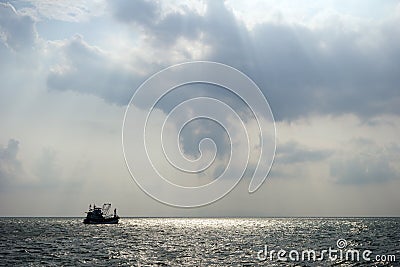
(201, 242)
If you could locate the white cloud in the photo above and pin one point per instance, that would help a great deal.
(64, 10)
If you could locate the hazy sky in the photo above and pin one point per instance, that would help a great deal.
(329, 69)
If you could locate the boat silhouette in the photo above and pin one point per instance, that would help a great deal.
(97, 215)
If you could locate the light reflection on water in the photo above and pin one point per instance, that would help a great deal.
(187, 241)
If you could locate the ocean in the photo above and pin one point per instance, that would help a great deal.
(201, 242)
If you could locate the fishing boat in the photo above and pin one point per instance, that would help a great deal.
(97, 215)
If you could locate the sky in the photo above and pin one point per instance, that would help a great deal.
(330, 71)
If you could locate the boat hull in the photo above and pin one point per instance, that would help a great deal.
(113, 220)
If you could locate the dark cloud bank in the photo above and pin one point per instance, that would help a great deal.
(331, 69)
(335, 68)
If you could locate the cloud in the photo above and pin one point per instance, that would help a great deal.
(14, 175)
(142, 12)
(342, 66)
(47, 169)
(336, 68)
(10, 166)
(324, 78)
(62, 10)
(361, 170)
(365, 162)
(45, 172)
(17, 32)
(295, 160)
(89, 70)
(162, 28)
(292, 152)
